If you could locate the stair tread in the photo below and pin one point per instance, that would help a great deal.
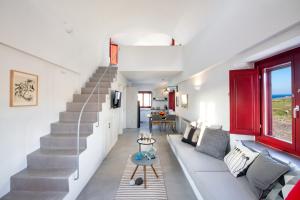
(56, 152)
(34, 195)
(77, 112)
(82, 123)
(71, 133)
(45, 173)
(65, 135)
(82, 103)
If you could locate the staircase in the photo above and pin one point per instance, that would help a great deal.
(50, 168)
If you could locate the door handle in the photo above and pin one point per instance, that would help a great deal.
(296, 110)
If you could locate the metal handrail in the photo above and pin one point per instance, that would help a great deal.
(80, 116)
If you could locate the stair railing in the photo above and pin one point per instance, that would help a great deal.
(80, 116)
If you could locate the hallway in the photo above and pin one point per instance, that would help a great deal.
(105, 183)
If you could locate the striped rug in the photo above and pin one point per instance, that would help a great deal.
(156, 188)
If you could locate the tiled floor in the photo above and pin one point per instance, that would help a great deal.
(104, 184)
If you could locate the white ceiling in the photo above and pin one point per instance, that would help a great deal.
(127, 22)
(155, 78)
(75, 33)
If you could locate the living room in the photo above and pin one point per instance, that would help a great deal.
(150, 99)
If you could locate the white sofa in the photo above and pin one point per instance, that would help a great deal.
(208, 176)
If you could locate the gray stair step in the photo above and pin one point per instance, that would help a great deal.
(74, 134)
(88, 90)
(90, 107)
(74, 116)
(62, 141)
(52, 159)
(107, 74)
(30, 195)
(42, 180)
(104, 79)
(60, 127)
(83, 97)
(102, 69)
(102, 84)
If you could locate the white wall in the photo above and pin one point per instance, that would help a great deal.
(150, 58)
(40, 28)
(208, 91)
(121, 85)
(240, 25)
(131, 107)
(22, 127)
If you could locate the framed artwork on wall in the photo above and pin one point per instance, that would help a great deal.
(184, 100)
(23, 89)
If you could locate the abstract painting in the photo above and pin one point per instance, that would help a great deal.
(23, 89)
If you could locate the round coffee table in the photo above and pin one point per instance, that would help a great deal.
(146, 141)
(143, 162)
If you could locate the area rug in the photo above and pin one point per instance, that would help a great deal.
(156, 188)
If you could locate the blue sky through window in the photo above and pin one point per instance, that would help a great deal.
(281, 81)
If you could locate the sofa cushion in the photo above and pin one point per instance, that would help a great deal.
(190, 135)
(239, 159)
(214, 143)
(222, 185)
(264, 171)
(202, 130)
(193, 160)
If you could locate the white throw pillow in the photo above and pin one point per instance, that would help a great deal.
(239, 158)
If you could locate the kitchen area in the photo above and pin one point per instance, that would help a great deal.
(156, 102)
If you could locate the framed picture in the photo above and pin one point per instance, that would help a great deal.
(23, 89)
(184, 100)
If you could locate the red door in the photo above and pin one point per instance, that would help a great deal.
(114, 54)
(172, 100)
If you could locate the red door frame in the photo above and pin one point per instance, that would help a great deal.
(277, 60)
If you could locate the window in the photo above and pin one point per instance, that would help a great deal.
(277, 100)
(280, 99)
(265, 101)
(145, 99)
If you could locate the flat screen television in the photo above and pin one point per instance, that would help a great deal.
(116, 99)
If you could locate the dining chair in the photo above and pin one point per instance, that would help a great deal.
(156, 120)
(171, 122)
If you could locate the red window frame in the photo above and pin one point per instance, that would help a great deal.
(143, 94)
(287, 57)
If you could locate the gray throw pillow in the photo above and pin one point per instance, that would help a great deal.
(264, 171)
(214, 143)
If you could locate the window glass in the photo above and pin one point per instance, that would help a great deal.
(278, 102)
(145, 99)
